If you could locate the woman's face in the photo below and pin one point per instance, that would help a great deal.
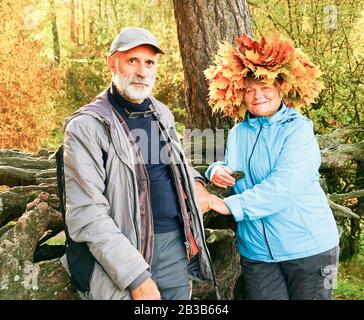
(261, 99)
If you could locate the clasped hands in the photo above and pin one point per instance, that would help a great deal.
(208, 201)
(148, 290)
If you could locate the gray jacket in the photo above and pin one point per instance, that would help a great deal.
(102, 202)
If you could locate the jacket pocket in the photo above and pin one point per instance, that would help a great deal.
(304, 223)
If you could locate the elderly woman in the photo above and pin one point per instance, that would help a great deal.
(286, 233)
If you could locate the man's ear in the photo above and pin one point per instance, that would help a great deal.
(111, 63)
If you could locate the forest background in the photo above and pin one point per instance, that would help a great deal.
(53, 60)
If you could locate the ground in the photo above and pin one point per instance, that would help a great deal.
(351, 280)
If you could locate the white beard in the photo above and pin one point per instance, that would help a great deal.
(131, 92)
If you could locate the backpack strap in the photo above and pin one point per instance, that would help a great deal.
(60, 180)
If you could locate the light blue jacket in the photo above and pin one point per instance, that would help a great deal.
(279, 205)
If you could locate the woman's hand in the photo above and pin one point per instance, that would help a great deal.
(219, 205)
(222, 177)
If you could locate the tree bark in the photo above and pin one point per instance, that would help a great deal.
(72, 23)
(56, 46)
(13, 153)
(225, 260)
(12, 176)
(13, 201)
(27, 162)
(201, 25)
(337, 156)
(337, 148)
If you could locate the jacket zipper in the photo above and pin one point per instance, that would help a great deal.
(151, 218)
(180, 197)
(251, 177)
(138, 234)
(108, 132)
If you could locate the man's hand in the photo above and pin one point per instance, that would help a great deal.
(219, 206)
(148, 290)
(204, 196)
(222, 177)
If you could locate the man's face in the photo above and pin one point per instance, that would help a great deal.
(134, 72)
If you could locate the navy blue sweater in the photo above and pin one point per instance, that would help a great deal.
(165, 205)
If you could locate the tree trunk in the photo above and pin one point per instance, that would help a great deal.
(27, 162)
(201, 25)
(337, 149)
(56, 46)
(12, 176)
(351, 247)
(83, 24)
(338, 155)
(72, 22)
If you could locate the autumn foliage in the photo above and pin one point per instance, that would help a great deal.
(271, 60)
(28, 83)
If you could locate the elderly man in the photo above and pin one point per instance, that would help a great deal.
(133, 205)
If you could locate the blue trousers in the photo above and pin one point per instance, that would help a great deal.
(169, 266)
(311, 278)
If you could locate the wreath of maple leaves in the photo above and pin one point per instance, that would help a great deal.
(271, 60)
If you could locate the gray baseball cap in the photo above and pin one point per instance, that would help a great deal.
(129, 38)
